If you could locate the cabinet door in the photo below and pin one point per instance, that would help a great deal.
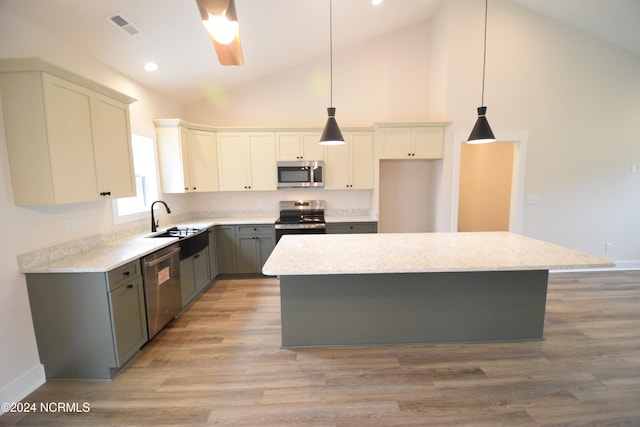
(187, 281)
(213, 254)
(395, 143)
(129, 319)
(262, 161)
(362, 160)
(428, 143)
(203, 161)
(246, 253)
(266, 244)
(68, 121)
(112, 148)
(311, 148)
(233, 165)
(288, 146)
(201, 269)
(173, 158)
(225, 246)
(337, 167)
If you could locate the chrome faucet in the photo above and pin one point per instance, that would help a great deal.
(154, 224)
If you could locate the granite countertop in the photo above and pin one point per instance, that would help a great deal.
(336, 218)
(112, 255)
(420, 252)
(106, 257)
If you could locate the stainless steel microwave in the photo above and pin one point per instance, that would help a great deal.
(301, 173)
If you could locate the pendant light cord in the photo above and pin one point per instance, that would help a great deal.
(484, 54)
(331, 54)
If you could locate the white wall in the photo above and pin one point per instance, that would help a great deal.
(29, 228)
(378, 81)
(578, 99)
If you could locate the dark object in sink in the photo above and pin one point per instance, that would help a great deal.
(179, 232)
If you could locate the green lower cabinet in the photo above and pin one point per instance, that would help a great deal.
(254, 244)
(225, 248)
(194, 275)
(243, 249)
(352, 227)
(129, 319)
(213, 254)
(88, 325)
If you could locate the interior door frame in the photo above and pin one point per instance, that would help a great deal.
(520, 138)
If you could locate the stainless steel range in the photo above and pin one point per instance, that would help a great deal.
(300, 217)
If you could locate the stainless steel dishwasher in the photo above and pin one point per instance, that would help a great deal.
(161, 272)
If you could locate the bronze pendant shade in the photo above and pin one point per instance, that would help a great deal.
(482, 132)
(331, 134)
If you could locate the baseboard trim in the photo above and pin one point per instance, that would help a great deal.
(23, 386)
(620, 265)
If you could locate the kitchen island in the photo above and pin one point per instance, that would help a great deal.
(374, 289)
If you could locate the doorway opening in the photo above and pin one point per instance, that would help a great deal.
(488, 184)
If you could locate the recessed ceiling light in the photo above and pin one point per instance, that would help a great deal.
(150, 66)
(376, 2)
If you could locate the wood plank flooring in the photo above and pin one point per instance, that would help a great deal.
(220, 364)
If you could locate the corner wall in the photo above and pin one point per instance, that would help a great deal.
(35, 227)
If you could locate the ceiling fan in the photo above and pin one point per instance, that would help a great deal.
(221, 21)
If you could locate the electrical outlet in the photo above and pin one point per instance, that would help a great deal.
(608, 247)
(69, 224)
(634, 168)
(532, 199)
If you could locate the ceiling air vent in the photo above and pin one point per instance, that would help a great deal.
(124, 24)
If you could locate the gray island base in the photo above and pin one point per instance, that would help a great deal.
(381, 289)
(407, 308)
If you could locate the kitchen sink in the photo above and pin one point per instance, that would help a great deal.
(179, 232)
(192, 240)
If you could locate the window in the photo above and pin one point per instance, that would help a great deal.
(144, 166)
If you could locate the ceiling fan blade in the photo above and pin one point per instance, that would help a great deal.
(228, 54)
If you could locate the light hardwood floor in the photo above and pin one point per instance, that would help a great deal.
(220, 364)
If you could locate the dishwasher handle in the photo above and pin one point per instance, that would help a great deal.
(156, 261)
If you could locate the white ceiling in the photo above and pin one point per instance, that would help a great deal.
(275, 34)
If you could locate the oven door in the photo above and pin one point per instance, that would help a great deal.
(282, 229)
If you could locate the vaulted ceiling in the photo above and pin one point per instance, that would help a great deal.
(275, 34)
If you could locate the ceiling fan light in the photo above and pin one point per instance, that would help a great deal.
(221, 29)
(481, 132)
(331, 134)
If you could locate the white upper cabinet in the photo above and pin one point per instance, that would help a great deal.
(68, 139)
(247, 161)
(112, 147)
(291, 146)
(411, 142)
(350, 166)
(188, 157)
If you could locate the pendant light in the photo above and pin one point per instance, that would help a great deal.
(331, 134)
(481, 133)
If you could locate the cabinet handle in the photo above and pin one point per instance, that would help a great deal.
(196, 256)
(105, 193)
(130, 286)
(126, 273)
(195, 188)
(186, 188)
